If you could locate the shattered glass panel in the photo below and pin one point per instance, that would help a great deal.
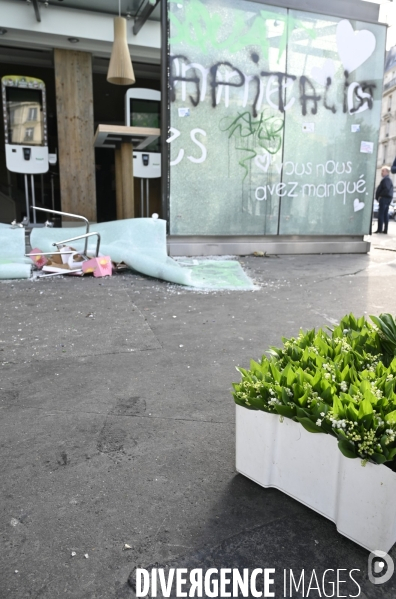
(141, 244)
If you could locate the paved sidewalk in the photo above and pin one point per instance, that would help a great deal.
(117, 425)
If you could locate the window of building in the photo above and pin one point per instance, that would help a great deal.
(32, 114)
(389, 103)
(29, 134)
(385, 152)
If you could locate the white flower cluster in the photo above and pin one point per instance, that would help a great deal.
(377, 392)
(372, 362)
(335, 423)
(274, 401)
(330, 372)
(345, 346)
(366, 447)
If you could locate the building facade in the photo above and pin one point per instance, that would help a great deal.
(270, 125)
(387, 137)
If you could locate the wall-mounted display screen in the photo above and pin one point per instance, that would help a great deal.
(146, 113)
(274, 120)
(25, 116)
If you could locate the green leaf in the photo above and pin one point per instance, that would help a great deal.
(286, 411)
(310, 426)
(316, 380)
(302, 401)
(298, 390)
(391, 417)
(365, 408)
(352, 412)
(326, 391)
(341, 434)
(285, 397)
(275, 372)
(361, 322)
(241, 402)
(388, 388)
(378, 458)
(291, 377)
(347, 448)
(301, 413)
(345, 373)
(367, 421)
(338, 408)
(321, 345)
(365, 386)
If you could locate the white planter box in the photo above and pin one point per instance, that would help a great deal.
(310, 468)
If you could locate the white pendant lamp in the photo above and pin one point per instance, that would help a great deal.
(120, 68)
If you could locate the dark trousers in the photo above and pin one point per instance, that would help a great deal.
(383, 216)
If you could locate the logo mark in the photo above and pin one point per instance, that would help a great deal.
(380, 567)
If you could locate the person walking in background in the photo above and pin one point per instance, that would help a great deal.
(384, 195)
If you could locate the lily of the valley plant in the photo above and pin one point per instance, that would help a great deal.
(341, 383)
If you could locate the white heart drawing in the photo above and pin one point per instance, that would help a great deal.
(263, 161)
(321, 74)
(357, 205)
(354, 47)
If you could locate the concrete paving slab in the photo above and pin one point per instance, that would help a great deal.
(39, 321)
(90, 470)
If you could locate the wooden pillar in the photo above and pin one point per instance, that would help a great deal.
(74, 105)
(128, 203)
(118, 183)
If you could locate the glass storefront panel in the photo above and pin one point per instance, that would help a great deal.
(274, 118)
(225, 137)
(330, 143)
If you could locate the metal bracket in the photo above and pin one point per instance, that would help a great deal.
(146, 12)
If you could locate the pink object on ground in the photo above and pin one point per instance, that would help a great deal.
(99, 267)
(39, 261)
